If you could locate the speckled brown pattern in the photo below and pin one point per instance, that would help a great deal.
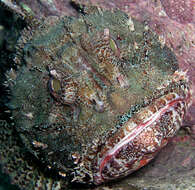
(114, 69)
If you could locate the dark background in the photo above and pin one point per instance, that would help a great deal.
(10, 27)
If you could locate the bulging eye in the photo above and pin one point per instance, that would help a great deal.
(113, 46)
(54, 85)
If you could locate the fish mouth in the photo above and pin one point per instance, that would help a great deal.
(143, 135)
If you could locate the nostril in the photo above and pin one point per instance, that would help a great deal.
(122, 81)
(93, 102)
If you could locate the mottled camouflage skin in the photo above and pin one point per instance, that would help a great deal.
(78, 82)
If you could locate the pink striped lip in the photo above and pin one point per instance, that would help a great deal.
(135, 132)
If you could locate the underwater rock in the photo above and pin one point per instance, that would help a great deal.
(93, 99)
(41, 8)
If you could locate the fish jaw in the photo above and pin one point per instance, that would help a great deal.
(143, 136)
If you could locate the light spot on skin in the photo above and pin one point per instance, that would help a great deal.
(162, 40)
(39, 145)
(29, 115)
(130, 24)
(62, 174)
